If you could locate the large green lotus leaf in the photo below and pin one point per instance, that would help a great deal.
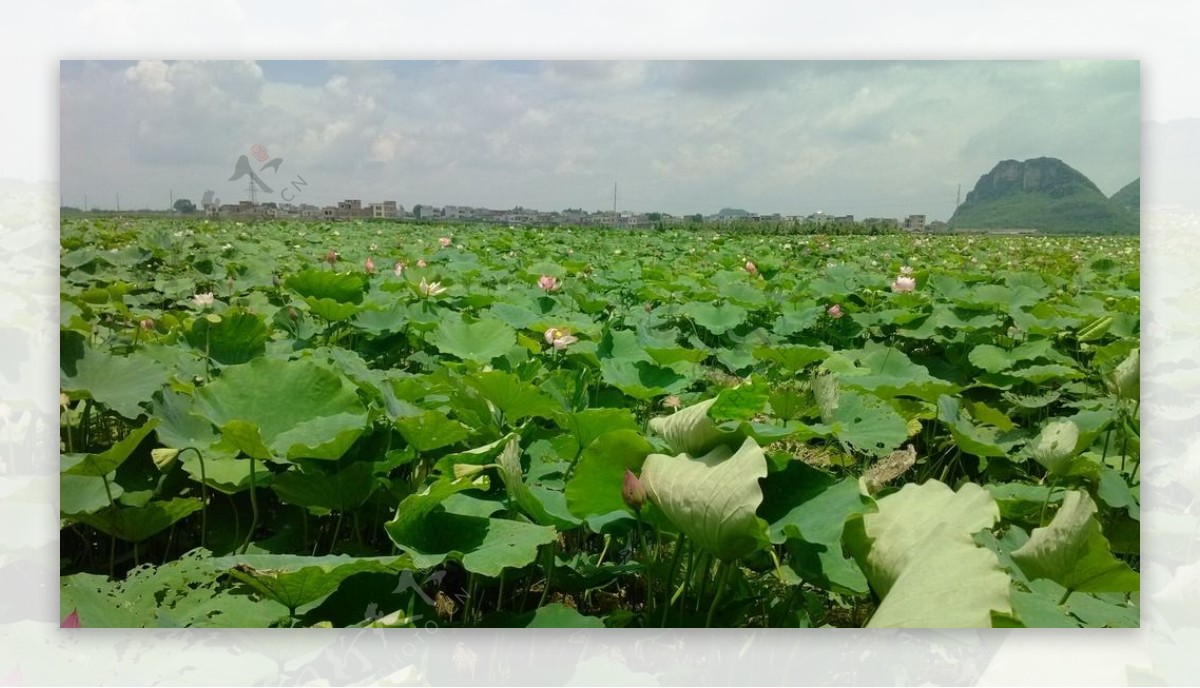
(714, 318)
(514, 482)
(886, 372)
(345, 287)
(294, 580)
(689, 430)
(517, 317)
(591, 423)
(236, 338)
(868, 424)
(479, 341)
(331, 310)
(431, 430)
(381, 319)
(642, 379)
(430, 535)
(99, 604)
(594, 489)
(514, 398)
(712, 498)
(316, 489)
(919, 556)
(221, 471)
(743, 402)
(178, 427)
(298, 408)
(793, 358)
(979, 440)
(85, 494)
(1072, 551)
(134, 524)
(109, 460)
(990, 358)
(558, 615)
(812, 501)
(122, 383)
(808, 509)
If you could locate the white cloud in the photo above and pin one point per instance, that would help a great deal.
(864, 138)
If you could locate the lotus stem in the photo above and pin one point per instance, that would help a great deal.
(723, 570)
(203, 496)
(253, 509)
(671, 579)
(112, 537)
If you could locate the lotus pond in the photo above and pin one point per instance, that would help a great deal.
(376, 424)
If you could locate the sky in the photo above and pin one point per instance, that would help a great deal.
(868, 138)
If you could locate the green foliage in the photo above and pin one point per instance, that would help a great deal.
(665, 439)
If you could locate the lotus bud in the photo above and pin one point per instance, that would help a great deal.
(835, 311)
(147, 324)
(163, 457)
(1125, 379)
(466, 470)
(71, 620)
(1054, 447)
(632, 491)
(292, 314)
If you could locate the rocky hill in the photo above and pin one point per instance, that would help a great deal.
(1130, 196)
(1044, 194)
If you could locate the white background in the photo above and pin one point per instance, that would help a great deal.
(35, 36)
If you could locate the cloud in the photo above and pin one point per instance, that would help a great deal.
(870, 138)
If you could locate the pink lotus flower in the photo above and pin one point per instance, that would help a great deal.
(71, 620)
(370, 266)
(444, 241)
(203, 300)
(903, 284)
(548, 283)
(834, 311)
(421, 263)
(751, 268)
(906, 270)
(431, 288)
(632, 491)
(398, 268)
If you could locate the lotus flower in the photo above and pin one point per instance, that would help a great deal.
(632, 491)
(559, 339)
(421, 263)
(370, 266)
(431, 288)
(834, 311)
(398, 268)
(751, 268)
(332, 257)
(548, 283)
(906, 270)
(146, 324)
(903, 284)
(203, 300)
(444, 241)
(71, 620)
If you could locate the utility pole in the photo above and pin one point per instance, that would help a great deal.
(118, 203)
(172, 206)
(958, 198)
(85, 203)
(614, 203)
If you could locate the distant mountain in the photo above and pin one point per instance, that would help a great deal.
(1044, 194)
(1130, 196)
